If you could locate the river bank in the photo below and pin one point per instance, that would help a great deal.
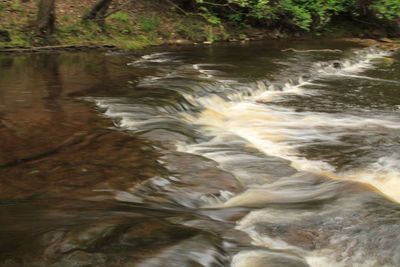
(147, 23)
(383, 43)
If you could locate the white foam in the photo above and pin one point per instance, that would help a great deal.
(155, 58)
(278, 131)
(213, 200)
(383, 174)
(274, 131)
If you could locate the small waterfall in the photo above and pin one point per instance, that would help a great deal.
(297, 211)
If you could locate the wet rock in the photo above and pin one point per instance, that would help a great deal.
(357, 223)
(386, 40)
(80, 259)
(190, 179)
(383, 60)
(337, 65)
(303, 238)
(88, 237)
(258, 168)
(200, 250)
(167, 138)
(391, 46)
(263, 258)
(197, 170)
(117, 242)
(151, 233)
(179, 42)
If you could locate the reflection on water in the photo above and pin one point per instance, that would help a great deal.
(227, 155)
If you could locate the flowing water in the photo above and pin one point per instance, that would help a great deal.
(238, 155)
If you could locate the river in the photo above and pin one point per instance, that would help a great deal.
(279, 153)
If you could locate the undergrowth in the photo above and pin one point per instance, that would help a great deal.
(207, 21)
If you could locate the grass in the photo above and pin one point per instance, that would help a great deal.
(113, 34)
(138, 42)
(18, 39)
(121, 16)
(149, 24)
(16, 6)
(192, 29)
(123, 29)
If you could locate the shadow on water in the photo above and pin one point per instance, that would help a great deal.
(183, 158)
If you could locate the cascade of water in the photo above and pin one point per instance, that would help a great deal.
(237, 124)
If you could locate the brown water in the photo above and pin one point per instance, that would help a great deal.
(226, 155)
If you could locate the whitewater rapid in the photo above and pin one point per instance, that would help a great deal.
(240, 125)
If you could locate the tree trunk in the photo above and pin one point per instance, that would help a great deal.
(46, 19)
(97, 12)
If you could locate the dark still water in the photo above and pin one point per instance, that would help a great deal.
(226, 155)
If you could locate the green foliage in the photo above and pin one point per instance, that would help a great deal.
(75, 33)
(18, 39)
(304, 14)
(386, 9)
(65, 18)
(120, 22)
(192, 29)
(121, 16)
(16, 6)
(206, 21)
(209, 16)
(258, 8)
(165, 34)
(149, 24)
(311, 14)
(210, 34)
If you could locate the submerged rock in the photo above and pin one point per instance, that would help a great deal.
(383, 60)
(337, 65)
(179, 42)
(264, 258)
(386, 40)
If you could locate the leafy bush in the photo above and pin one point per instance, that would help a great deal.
(304, 14)
(386, 9)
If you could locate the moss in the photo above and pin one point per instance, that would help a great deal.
(17, 39)
(121, 16)
(383, 60)
(129, 43)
